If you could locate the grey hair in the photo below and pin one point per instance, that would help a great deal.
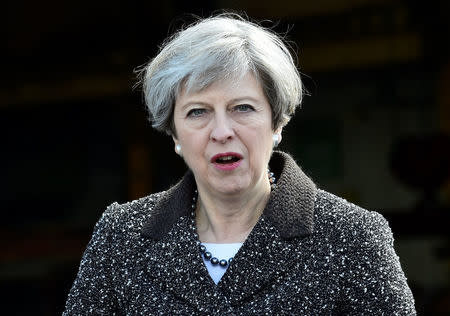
(220, 48)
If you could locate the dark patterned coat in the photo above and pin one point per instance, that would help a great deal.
(311, 253)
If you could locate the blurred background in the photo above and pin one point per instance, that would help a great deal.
(374, 129)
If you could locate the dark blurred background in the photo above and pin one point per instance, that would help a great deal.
(374, 129)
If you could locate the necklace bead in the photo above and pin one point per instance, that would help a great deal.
(214, 261)
(207, 255)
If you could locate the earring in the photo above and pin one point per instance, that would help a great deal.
(276, 140)
(178, 149)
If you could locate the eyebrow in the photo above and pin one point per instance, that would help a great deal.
(184, 106)
(235, 100)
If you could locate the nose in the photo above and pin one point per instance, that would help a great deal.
(222, 129)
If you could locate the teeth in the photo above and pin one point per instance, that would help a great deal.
(225, 159)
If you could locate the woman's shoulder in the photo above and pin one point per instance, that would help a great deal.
(131, 215)
(346, 218)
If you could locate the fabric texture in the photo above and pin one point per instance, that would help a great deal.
(310, 253)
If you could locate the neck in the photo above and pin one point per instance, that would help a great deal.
(229, 219)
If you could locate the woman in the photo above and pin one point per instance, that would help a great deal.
(232, 237)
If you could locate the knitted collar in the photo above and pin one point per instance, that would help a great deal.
(290, 207)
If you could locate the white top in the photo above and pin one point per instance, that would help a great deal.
(220, 251)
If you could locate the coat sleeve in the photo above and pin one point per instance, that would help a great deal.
(374, 283)
(92, 292)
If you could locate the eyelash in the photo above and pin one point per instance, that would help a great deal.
(194, 112)
(248, 108)
(239, 108)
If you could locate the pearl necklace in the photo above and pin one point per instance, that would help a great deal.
(205, 253)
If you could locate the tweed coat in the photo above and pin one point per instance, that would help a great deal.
(310, 253)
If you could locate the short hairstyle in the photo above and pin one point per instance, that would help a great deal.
(221, 47)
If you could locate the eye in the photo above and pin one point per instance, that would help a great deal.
(196, 112)
(243, 108)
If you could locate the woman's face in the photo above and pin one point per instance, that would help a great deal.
(225, 133)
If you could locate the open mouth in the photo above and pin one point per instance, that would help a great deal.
(226, 158)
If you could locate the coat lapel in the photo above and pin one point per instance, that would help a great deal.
(262, 259)
(173, 261)
(276, 241)
(174, 264)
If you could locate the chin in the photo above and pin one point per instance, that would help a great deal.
(230, 188)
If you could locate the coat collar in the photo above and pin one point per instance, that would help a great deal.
(290, 207)
(174, 262)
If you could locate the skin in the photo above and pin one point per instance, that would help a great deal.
(227, 116)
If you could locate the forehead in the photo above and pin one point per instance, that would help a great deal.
(246, 86)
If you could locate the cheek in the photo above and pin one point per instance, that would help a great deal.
(193, 145)
(260, 144)
(255, 120)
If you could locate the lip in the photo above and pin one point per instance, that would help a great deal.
(229, 166)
